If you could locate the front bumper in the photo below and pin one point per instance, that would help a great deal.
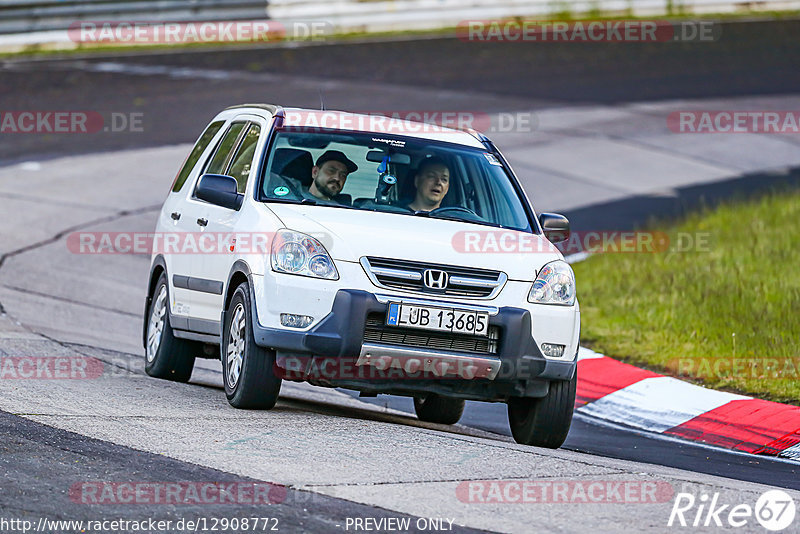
(336, 342)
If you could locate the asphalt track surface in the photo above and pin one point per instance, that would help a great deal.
(46, 289)
(36, 458)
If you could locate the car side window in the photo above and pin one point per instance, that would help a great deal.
(242, 161)
(194, 155)
(221, 156)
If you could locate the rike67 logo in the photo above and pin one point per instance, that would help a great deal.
(774, 510)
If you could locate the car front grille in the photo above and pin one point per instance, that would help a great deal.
(466, 282)
(377, 331)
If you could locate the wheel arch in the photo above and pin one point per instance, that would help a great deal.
(239, 274)
(157, 268)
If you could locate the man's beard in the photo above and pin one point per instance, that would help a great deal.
(325, 187)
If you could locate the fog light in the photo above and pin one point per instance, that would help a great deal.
(296, 321)
(552, 351)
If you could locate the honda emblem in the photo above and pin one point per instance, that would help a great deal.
(435, 279)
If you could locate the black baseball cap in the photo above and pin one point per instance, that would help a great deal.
(335, 155)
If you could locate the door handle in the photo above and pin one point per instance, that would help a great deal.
(175, 216)
(202, 222)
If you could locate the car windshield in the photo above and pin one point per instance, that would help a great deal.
(402, 175)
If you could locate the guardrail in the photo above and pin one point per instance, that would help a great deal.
(21, 16)
(383, 15)
(26, 24)
(17, 16)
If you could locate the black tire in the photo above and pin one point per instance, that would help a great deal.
(544, 422)
(437, 409)
(174, 357)
(257, 386)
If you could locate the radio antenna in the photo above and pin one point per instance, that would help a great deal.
(321, 101)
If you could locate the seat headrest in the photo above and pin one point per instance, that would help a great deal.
(294, 163)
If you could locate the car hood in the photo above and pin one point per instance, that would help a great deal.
(350, 234)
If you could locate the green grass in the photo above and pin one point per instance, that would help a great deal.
(728, 316)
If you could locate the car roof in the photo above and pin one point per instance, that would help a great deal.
(378, 124)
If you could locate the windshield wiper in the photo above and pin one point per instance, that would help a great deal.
(280, 200)
(441, 217)
(307, 201)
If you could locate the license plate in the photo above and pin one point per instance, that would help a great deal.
(436, 318)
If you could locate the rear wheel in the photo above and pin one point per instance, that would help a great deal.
(248, 370)
(167, 356)
(437, 409)
(544, 422)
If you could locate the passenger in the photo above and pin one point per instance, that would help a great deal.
(432, 182)
(330, 174)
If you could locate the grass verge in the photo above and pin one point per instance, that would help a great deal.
(726, 314)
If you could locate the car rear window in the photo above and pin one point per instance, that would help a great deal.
(221, 156)
(195, 154)
(242, 161)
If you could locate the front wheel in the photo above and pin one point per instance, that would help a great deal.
(248, 370)
(167, 356)
(544, 422)
(437, 409)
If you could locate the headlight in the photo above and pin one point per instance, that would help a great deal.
(296, 253)
(555, 284)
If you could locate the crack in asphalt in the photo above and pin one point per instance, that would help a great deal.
(116, 352)
(446, 480)
(59, 203)
(69, 301)
(56, 237)
(72, 349)
(61, 234)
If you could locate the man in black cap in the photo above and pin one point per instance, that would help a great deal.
(329, 175)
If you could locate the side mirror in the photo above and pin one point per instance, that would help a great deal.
(220, 190)
(555, 227)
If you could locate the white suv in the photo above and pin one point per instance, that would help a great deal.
(367, 253)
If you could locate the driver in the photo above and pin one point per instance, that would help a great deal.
(432, 182)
